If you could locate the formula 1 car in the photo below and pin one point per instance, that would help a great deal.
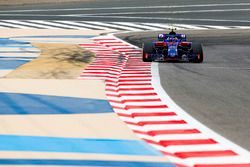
(172, 47)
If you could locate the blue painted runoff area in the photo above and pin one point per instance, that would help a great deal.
(76, 145)
(57, 36)
(90, 163)
(11, 64)
(16, 46)
(7, 41)
(16, 57)
(18, 103)
(25, 51)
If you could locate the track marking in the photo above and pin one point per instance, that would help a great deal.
(177, 135)
(113, 26)
(30, 24)
(54, 24)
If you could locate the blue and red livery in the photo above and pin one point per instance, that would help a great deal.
(172, 47)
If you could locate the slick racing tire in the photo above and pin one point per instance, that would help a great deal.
(198, 52)
(147, 51)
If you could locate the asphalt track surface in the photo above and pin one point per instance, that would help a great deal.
(215, 92)
(209, 12)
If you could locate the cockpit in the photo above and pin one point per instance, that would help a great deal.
(172, 38)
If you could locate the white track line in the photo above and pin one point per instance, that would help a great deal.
(55, 24)
(114, 26)
(30, 24)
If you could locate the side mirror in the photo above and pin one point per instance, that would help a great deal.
(161, 37)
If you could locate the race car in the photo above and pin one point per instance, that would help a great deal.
(172, 47)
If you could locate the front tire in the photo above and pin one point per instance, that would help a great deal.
(198, 53)
(147, 51)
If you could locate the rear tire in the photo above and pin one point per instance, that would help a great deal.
(147, 51)
(198, 52)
